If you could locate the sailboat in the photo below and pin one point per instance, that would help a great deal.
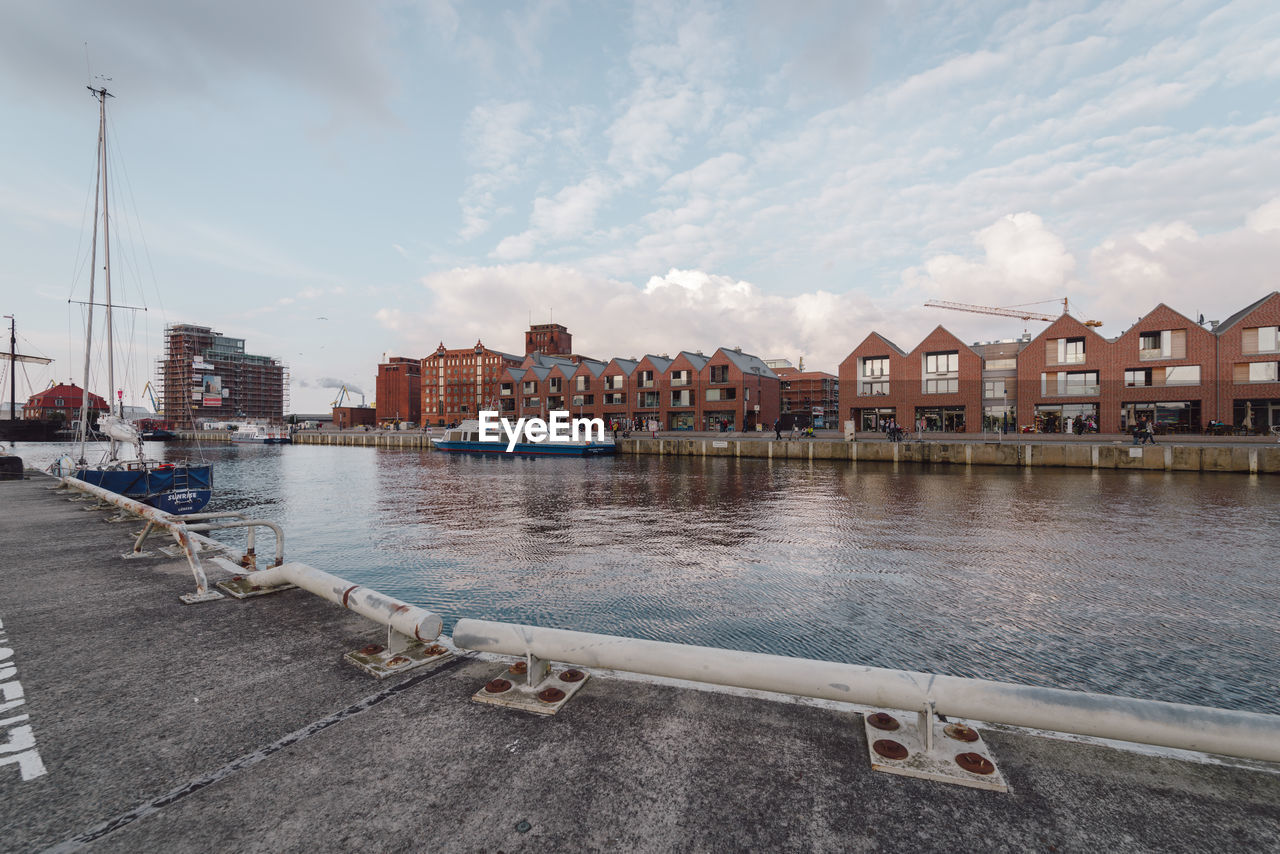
(176, 487)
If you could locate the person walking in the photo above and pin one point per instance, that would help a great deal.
(777, 428)
(1150, 432)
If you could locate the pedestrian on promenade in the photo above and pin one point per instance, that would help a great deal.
(777, 428)
(1150, 432)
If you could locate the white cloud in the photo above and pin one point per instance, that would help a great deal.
(1266, 218)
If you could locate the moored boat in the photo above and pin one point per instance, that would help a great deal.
(465, 438)
(261, 434)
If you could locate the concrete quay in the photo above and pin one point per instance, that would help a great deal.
(236, 725)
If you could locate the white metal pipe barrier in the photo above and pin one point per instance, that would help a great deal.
(406, 619)
(153, 516)
(1230, 733)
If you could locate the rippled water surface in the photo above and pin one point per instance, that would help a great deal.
(1144, 584)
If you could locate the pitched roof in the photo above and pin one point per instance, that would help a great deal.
(748, 363)
(628, 366)
(660, 363)
(595, 366)
(699, 361)
(71, 395)
(1242, 313)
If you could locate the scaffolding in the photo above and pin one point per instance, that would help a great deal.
(207, 376)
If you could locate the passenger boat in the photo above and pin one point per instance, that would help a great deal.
(465, 438)
(174, 487)
(261, 434)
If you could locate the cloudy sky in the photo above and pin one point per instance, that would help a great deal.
(333, 181)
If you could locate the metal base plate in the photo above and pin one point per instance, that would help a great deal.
(940, 764)
(242, 587)
(193, 598)
(381, 663)
(525, 698)
(133, 555)
(176, 550)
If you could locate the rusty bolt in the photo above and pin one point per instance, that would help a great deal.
(550, 695)
(889, 749)
(960, 732)
(497, 686)
(572, 676)
(975, 763)
(880, 720)
(237, 578)
(397, 661)
(520, 668)
(435, 649)
(371, 649)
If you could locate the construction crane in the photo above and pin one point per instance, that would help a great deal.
(343, 394)
(149, 392)
(1012, 311)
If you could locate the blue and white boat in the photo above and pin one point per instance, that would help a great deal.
(465, 438)
(174, 487)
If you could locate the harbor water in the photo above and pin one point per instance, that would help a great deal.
(1145, 584)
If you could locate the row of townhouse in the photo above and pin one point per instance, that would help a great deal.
(728, 390)
(1166, 368)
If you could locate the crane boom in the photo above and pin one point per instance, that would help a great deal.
(1014, 311)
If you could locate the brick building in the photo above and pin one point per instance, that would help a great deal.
(549, 339)
(347, 417)
(62, 403)
(1060, 376)
(937, 386)
(457, 384)
(397, 391)
(1164, 365)
(808, 398)
(1248, 371)
(207, 376)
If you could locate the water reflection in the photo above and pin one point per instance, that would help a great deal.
(1138, 583)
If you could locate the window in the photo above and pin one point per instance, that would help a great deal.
(554, 385)
(1070, 351)
(584, 399)
(994, 388)
(879, 387)
(646, 379)
(1261, 339)
(582, 383)
(950, 386)
(1262, 372)
(614, 382)
(1081, 383)
(875, 366)
(1149, 341)
(684, 397)
(614, 399)
(1001, 364)
(1182, 375)
(679, 378)
(714, 394)
(1137, 378)
(719, 374)
(647, 400)
(942, 363)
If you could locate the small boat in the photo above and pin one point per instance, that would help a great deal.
(174, 487)
(261, 434)
(465, 438)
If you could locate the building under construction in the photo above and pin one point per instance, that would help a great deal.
(206, 376)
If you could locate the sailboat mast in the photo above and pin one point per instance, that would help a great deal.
(13, 369)
(106, 264)
(101, 95)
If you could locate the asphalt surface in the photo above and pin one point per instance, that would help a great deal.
(237, 725)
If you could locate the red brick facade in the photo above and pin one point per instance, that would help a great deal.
(457, 384)
(937, 386)
(398, 391)
(346, 417)
(1243, 394)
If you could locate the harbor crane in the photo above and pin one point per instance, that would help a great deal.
(1017, 311)
(344, 394)
(150, 392)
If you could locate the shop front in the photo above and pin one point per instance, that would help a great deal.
(725, 421)
(874, 419)
(1258, 415)
(946, 419)
(1179, 416)
(1000, 419)
(1055, 417)
(680, 421)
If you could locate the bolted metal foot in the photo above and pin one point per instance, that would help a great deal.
(193, 598)
(134, 555)
(380, 662)
(546, 697)
(242, 587)
(897, 744)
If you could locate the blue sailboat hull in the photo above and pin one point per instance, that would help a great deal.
(176, 489)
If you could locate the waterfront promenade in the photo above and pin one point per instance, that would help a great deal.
(237, 726)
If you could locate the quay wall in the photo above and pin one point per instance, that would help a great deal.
(1257, 459)
(1251, 459)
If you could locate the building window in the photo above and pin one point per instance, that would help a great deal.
(584, 399)
(684, 397)
(1261, 339)
(719, 374)
(716, 394)
(679, 378)
(1262, 372)
(582, 383)
(647, 400)
(1070, 351)
(614, 382)
(554, 385)
(942, 363)
(646, 379)
(1001, 364)
(875, 366)
(1182, 375)
(530, 386)
(506, 390)
(614, 399)
(1138, 378)
(994, 388)
(1081, 383)
(878, 387)
(948, 386)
